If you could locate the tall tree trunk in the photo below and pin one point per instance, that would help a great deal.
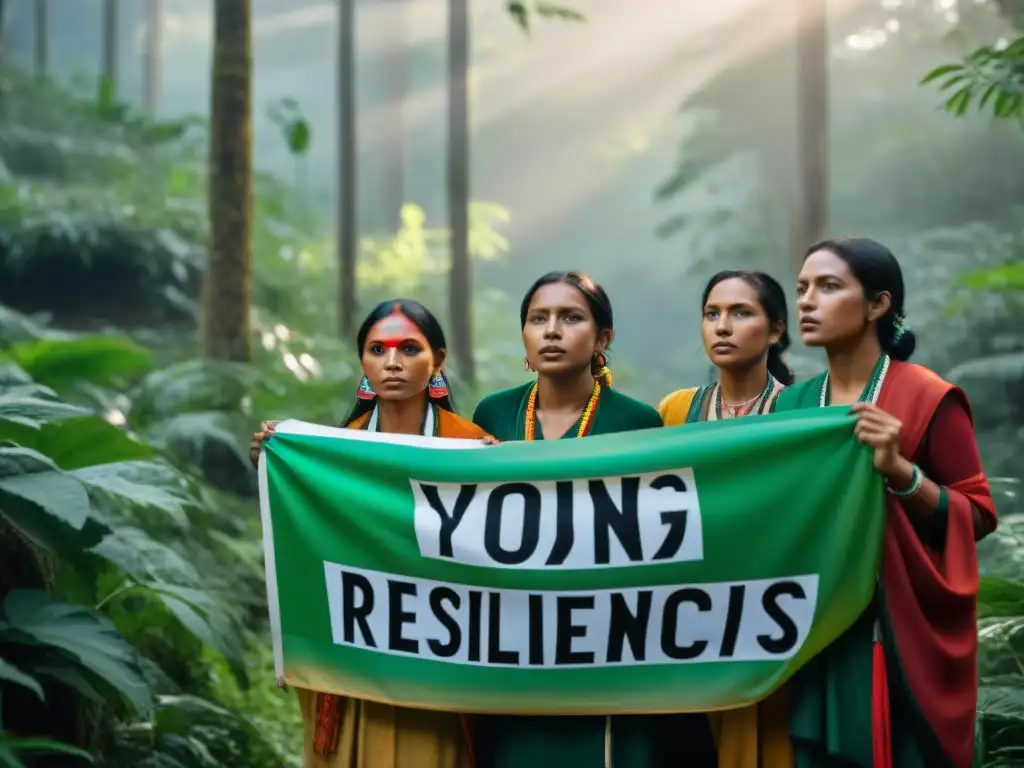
(151, 58)
(228, 279)
(42, 39)
(348, 227)
(813, 115)
(460, 278)
(110, 44)
(393, 127)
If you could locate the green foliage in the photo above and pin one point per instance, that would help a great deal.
(294, 127)
(991, 78)
(1001, 631)
(151, 600)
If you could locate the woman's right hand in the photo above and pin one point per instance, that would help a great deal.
(266, 432)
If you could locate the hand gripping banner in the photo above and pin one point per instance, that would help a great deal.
(682, 569)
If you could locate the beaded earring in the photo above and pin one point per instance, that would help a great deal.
(438, 387)
(365, 390)
(600, 369)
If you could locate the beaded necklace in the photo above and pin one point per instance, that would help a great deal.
(757, 401)
(871, 389)
(586, 418)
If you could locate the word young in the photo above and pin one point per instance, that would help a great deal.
(726, 621)
(568, 524)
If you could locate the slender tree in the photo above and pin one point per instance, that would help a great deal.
(348, 228)
(151, 58)
(42, 52)
(393, 128)
(460, 277)
(108, 63)
(811, 220)
(228, 279)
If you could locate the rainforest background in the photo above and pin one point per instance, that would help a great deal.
(200, 198)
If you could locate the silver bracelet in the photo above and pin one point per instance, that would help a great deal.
(915, 484)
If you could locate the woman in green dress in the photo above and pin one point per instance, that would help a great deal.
(567, 328)
(899, 689)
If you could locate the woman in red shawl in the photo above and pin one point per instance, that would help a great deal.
(899, 688)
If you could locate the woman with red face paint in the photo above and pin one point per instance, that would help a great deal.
(403, 391)
(567, 325)
(899, 688)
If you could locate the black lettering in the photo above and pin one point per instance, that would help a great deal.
(670, 623)
(624, 522)
(674, 519)
(353, 613)
(475, 606)
(495, 654)
(563, 523)
(531, 523)
(449, 522)
(625, 624)
(438, 597)
(397, 617)
(770, 603)
(566, 630)
(732, 620)
(536, 629)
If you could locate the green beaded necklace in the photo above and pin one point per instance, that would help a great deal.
(871, 389)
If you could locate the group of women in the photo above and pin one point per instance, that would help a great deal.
(897, 690)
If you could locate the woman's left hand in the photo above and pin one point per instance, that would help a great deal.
(881, 431)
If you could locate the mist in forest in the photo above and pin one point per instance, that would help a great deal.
(648, 147)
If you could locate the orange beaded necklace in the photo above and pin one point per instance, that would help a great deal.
(586, 419)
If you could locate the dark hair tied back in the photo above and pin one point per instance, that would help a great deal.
(598, 303)
(772, 299)
(878, 271)
(429, 326)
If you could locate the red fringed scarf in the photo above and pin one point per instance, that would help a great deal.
(328, 728)
(931, 594)
(328, 725)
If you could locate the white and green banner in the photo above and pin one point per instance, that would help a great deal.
(668, 570)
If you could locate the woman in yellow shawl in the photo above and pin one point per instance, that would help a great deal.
(744, 333)
(403, 391)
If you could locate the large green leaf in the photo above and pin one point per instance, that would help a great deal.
(26, 408)
(11, 747)
(16, 328)
(18, 403)
(1000, 598)
(46, 504)
(65, 672)
(12, 376)
(207, 619)
(92, 440)
(31, 617)
(96, 359)
(77, 442)
(144, 559)
(12, 674)
(141, 484)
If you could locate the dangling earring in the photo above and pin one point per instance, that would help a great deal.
(438, 387)
(365, 390)
(526, 364)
